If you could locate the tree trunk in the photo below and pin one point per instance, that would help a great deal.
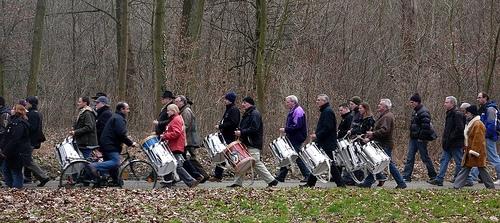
(260, 44)
(159, 60)
(122, 46)
(36, 52)
(493, 51)
(2, 79)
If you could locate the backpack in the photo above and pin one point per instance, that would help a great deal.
(4, 120)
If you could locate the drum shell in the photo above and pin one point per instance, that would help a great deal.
(215, 145)
(315, 159)
(159, 155)
(283, 151)
(349, 155)
(238, 157)
(67, 152)
(375, 157)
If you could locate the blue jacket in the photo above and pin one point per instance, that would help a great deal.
(114, 134)
(326, 130)
(296, 125)
(488, 117)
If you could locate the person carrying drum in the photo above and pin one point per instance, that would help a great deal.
(229, 123)
(84, 130)
(112, 138)
(325, 137)
(175, 136)
(161, 123)
(296, 131)
(191, 164)
(383, 133)
(251, 133)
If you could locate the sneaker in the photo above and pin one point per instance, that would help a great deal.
(234, 186)
(407, 179)
(380, 183)
(363, 185)
(194, 183)
(280, 179)
(273, 183)
(43, 182)
(306, 186)
(401, 186)
(469, 184)
(435, 182)
(497, 182)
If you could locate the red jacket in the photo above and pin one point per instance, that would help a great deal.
(174, 134)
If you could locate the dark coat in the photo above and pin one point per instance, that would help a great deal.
(252, 128)
(296, 125)
(162, 120)
(103, 115)
(17, 141)
(4, 121)
(35, 119)
(383, 129)
(420, 127)
(230, 122)
(114, 134)
(366, 125)
(345, 124)
(326, 130)
(85, 128)
(453, 134)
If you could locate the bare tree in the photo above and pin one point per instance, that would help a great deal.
(36, 52)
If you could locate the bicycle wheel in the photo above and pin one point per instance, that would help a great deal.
(138, 174)
(73, 174)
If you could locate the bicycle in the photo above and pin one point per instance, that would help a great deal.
(132, 173)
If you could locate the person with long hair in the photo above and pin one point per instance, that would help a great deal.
(17, 142)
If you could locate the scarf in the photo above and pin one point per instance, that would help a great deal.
(466, 130)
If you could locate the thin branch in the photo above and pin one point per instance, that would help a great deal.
(72, 13)
(98, 9)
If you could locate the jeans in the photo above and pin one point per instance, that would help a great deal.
(260, 168)
(446, 156)
(493, 159)
(335, 171)
(420, 147)
(369, 180)
(13, 177)
(111, 162)
(302, 166)
(85, 151)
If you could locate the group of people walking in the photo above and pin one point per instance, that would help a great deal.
(469, 138)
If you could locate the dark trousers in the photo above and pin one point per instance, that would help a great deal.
(30, 166)
(302, 167)
(191, 164)
(335, 171)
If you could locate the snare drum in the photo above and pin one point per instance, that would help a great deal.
(159, 154)
(67, 152)
(283, 151)
(216, 145)
(348, 155)
(238, 157)
(375, 157)
(315, 159)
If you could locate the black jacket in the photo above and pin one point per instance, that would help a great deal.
(35, 119)
(163, 120)
(103, 115)
(420, 127)
(229, 122)
(453, 134)
(252, 129)
(326, 130)
(4, 121)
(366, 125)
(17, 141)
(114, 134)
(345, 124)
(85, 128)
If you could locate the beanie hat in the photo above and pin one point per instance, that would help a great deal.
(356, 100)
(416, 98)
(168, 94)
(32, 100)
(103, 99)
(23, 102)
(249, 100)
(231, 96)
(472, 109)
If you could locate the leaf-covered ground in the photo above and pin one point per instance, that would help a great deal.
(249, 205)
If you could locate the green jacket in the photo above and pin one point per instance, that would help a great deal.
(85, 130)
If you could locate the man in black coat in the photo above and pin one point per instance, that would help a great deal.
(452, 142)
(36, 138)
(161, 123)
(112, 138)
(227, 125)
(421, 132)
(104, 113)
(345, 123)
(325, 137)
